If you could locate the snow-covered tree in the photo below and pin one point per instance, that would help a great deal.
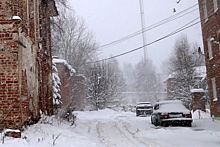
(105, 82)
(182, 65)
(56, 87)
(129, 75)
(145, 79)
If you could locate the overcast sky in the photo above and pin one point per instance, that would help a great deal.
(111, 20)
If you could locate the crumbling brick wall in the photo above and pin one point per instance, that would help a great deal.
(65, 87)
(77, 89)
(25, 62)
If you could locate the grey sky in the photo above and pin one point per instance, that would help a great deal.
(111, 20)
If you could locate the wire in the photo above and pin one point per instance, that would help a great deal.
(164, 21)
(171, 34)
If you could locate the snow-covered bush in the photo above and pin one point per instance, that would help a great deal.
(67, 114)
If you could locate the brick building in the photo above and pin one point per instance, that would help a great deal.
(72, 86)
(65, 73)
(77, 87)
(25, 62)
(210, 22)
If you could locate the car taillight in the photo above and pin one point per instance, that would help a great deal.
(187, 115)
(164, 116)
(137, 108)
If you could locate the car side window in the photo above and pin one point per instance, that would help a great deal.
(156, 107)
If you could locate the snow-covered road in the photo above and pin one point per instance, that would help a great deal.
(108, 128)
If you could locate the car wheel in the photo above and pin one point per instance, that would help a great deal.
(137, 114)
(189, 125)
(156, 122)
(151, 121)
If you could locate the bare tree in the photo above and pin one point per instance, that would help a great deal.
(71, 39)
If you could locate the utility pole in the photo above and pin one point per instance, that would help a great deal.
(143, 32)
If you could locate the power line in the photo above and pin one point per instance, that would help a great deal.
(171, 34)
(164, 21)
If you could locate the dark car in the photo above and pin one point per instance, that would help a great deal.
(171, 112)
(144, 108)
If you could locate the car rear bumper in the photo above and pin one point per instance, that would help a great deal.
(177, 121)
(144, 111)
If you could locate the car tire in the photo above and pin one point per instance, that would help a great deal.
(151, 121)
(189, 125)
(156, 123)
(137, 114)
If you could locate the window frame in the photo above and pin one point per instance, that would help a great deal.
(215, 3)
(205, 9)
(209, 43)
(218, 32)
(214, 89)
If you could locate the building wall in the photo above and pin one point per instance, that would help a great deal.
(65, 87)
(25, 63)
(77, 87)
(198, 101)
(209, 30)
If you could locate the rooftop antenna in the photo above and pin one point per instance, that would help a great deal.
(143, 32)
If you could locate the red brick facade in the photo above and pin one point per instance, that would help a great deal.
(210, 30)
(65, 88)
(72, 86)
(77, 87)
(198, 100)
(25, 62)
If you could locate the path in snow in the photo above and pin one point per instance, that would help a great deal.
(112, 129)
(107, 128)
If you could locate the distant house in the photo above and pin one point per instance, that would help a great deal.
(198, 90)
(209, 15)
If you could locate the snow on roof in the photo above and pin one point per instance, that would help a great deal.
(170, 76)
(62, 61)
(197, 90)
(200, 71)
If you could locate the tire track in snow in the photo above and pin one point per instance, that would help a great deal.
(145, 141)
(116, 137)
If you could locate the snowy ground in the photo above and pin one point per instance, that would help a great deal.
(107, 128)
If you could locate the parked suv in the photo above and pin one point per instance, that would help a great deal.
(144, 108)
